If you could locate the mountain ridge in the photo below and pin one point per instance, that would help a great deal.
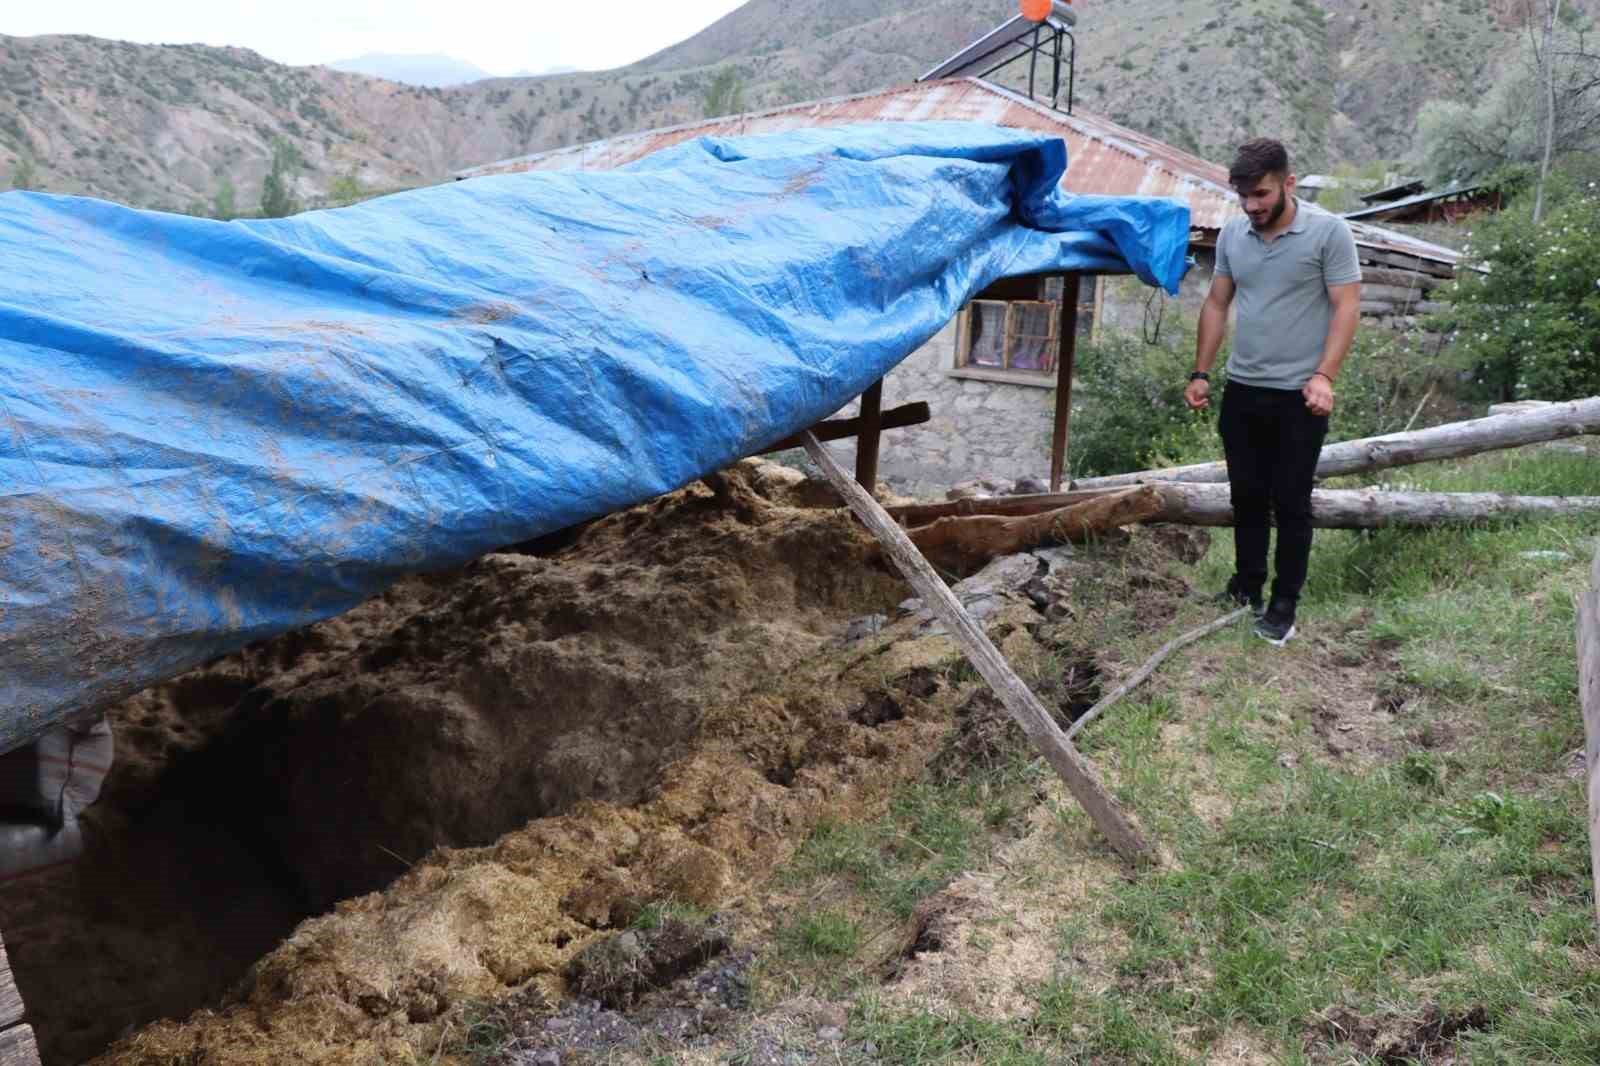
(167, 126)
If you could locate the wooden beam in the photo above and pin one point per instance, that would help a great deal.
(920, 514)
(1117, 825)
(1066, 359)
(870, 435)
(10, 998)
(1589, 698)
(1569, 418)
(1209, 505)
(1406, 262)
(18, 1048)
(908, 414)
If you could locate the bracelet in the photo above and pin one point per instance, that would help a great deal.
(1200, 375)
(1320, 374)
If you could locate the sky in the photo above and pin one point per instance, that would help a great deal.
(501, 37)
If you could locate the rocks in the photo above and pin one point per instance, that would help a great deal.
(981, 488)
(619, 969)
(985, 487)
(986, 592)
(864, 627)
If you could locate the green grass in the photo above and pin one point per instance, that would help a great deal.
(822, 934)
(1449, 874)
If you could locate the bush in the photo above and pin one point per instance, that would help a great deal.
(1529, 327)
(1131, 414)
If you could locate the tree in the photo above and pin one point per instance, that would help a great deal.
(222, 202)
(24, 175)
(277, 189)
(1529, 326)
(1547, 97)
(346, 189)
(523, 127)
(725, 94)
(1547, 84)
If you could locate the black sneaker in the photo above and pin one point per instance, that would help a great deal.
(1235, 595)
(1276, 625)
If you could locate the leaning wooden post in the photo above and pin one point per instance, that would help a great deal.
(17, 1047)
(1066, 360)
(1117, 825)
(871, 434)
(1589, 696)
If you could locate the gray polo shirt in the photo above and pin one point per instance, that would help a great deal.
(1281, 294)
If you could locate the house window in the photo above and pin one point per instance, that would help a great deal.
(1011, 331)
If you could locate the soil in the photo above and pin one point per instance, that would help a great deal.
(1397, 1040)
(339, 845)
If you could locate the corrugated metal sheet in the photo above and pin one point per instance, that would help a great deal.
(1104, 157)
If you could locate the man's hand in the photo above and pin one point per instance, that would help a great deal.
(1198, 394)
(1319, 395)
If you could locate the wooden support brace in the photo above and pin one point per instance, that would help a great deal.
(1108, 815)
(871, 434)
(1589, 697)
(17, 1046)
(1066, 361)
(909, 414)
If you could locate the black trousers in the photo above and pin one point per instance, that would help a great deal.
(1272, 444)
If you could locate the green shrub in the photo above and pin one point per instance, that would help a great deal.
(1131, 413)
(1528, 326)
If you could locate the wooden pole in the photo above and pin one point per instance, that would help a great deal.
(1209, 505)
(1589, 698)
(867, 441)
(1456, 439)
(1107, 814)
(1066, 358)
(17, 1047)
(907, 414)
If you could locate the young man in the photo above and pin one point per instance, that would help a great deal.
(1292, 271)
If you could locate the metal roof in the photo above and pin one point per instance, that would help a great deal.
(1406, 187)
(1412, 201)
(1104, 158)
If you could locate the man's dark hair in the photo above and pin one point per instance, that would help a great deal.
(1257, 159)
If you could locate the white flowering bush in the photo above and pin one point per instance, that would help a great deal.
(1528, 324)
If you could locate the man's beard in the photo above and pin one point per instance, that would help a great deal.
(1276, 212)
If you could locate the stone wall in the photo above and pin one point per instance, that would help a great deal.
(998, 429)
(984, 428)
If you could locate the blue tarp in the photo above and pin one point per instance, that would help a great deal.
(213, 432)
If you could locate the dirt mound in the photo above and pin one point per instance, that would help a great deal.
(510, 761)
(321, 765)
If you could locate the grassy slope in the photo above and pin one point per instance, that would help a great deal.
(1379, 832)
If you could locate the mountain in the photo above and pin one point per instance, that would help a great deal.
(432, 71)
(1340, 80)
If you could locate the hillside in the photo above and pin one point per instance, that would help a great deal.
(163, 126)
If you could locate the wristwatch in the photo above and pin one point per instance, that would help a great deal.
(1200, 375)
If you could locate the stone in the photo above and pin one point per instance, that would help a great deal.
(830, 1033)
(864, 627)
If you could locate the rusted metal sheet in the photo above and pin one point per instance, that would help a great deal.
(1105, 158)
